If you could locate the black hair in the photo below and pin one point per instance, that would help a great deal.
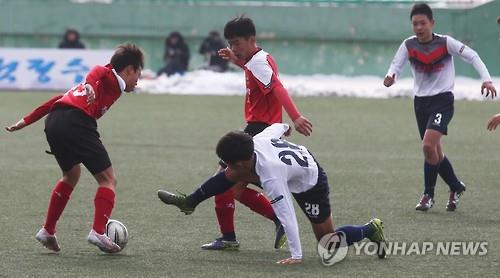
(240, 26)
(125, 55)
(421, 8)
(235, 146)
(71, 31)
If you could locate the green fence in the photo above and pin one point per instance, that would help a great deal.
(342, 37)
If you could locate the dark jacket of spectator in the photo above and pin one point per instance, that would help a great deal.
(209, 48)
(71, 39)
(176, 56)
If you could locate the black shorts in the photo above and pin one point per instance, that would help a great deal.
(434, 112)
(73, 139)
(252, 128)
(315, 202)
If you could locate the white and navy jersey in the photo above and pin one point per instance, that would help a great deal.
(432, 63)
(284, 168)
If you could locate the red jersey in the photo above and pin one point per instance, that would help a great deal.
(261, 74)
(107, 90)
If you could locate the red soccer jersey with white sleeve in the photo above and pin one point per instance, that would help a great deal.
(106, 87)
(261, 75)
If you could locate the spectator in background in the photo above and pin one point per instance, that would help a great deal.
(209, 49)
(176, 55)
(71, 40)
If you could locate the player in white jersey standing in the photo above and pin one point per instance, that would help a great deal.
(431, 59)
(283, 169)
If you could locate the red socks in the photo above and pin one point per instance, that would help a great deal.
(257, 202)
(104, 202)
(224, 208)
(58, 200)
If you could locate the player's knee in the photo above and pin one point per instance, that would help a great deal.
(113, 182)
(70, 180)
(72, 176)
(108, 181)
(429, 149)
(238, 191)
(430, 153)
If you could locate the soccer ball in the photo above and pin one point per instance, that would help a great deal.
(117, 232)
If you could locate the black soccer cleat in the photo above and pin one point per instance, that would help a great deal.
(451, 205)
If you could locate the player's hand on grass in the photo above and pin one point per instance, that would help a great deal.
(89, 92)
(17, 126)
(303, 125)
(389, 80)
(488, 87)
(493, 122)
(290, 261)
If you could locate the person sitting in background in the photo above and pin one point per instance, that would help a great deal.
(71, 40)
(176, 55)
(209, 49)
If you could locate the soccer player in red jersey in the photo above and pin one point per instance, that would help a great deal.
(71, 131)
(264, 99)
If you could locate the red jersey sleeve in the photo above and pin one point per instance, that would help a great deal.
(286, 101)
(40, 111)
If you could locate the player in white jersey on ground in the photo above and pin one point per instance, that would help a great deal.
(431, 58)
(283, 169)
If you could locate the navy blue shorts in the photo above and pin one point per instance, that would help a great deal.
(315, 202)
(434, 112)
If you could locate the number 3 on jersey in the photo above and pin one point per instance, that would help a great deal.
(437, 119)
(292, 152)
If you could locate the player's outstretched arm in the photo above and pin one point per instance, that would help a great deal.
(493, 122)
(301, 123)
(488, 88)
(17, 126)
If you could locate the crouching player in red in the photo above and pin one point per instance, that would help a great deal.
(283, 169)
(71, 131)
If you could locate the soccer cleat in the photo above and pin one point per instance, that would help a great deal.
(377, 236)
(222, 244)
(455, 197)
(280, 239)
(425, 203)
(103, 242)
(47, 240)
(178, 200)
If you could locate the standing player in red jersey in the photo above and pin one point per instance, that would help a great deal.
(264, 99)
(71, 131)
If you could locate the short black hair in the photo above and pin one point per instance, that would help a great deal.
(240, 26)
(421, 8)
(125, 55)
(235, 146)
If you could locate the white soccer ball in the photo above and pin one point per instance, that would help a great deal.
(117, 232)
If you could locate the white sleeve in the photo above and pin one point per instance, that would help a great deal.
(468, 55)
(399, 61)
(281, 199)
(274, 131)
